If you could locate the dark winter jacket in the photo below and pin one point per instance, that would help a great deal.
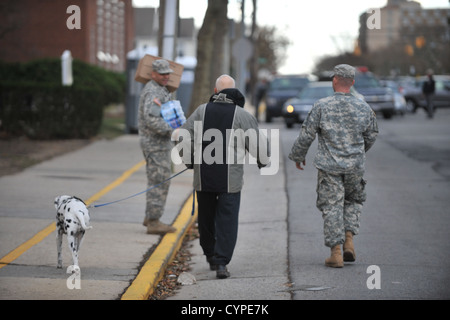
(221, 132)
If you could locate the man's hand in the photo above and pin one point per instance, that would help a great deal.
(299, 166)
(157, 101)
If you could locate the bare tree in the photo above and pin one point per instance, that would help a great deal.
(210, 51)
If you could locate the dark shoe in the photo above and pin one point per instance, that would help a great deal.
(222, 272)
(212, 266)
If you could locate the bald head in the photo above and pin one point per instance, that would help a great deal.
(224, 82)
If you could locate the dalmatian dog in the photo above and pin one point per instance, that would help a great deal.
(72, 219)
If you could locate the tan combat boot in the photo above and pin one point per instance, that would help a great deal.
(349, 249)
(157, 227)
(335, 260)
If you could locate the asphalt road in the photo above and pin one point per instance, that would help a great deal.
(402, 251)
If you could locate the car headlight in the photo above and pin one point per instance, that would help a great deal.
(290, 108)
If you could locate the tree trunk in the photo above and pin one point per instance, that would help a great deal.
(210, 52)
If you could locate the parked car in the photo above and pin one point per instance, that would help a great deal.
(415, 98)
(295, 110)
(281, 89)
(380, 98)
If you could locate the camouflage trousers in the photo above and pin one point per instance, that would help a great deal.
(340, 199)
(158, 169)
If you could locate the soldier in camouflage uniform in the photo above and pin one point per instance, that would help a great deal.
(346, 127)
(155, 138)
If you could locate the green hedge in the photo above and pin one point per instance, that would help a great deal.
(33, 101)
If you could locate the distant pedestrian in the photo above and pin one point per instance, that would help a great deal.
(346, 127)
(428, 89)
(218, 183)
(155, 138)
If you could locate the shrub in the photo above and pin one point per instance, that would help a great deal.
(33, 101)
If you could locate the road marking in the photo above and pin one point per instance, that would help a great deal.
(41, 235)
(153, 270)
(38, 237)
(116, 183)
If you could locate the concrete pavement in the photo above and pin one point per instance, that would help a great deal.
(112, 251)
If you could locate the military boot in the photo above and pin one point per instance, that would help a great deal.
(157, 227)
(145, 221)
(349, 249)
(335, 260)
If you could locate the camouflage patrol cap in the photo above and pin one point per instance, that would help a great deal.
(344, 71)
(161, 66)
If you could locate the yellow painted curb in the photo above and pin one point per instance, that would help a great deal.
(153, 270)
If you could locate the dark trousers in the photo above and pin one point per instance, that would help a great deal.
(430, 107)
(218, 215)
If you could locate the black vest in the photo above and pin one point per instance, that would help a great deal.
(214, 176)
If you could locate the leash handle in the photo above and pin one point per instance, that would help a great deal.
(193, 202)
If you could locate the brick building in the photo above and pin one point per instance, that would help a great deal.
(31, 29)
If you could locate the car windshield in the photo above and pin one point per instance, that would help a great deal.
(288, 83)
(315, 93)
(366, 81)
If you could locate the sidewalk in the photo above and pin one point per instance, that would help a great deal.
(112, 251)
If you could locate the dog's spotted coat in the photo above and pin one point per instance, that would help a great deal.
(72, 219)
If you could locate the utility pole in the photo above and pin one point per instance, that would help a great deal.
(169, 26)
(242, 51)
(242, 62)
(254, 61)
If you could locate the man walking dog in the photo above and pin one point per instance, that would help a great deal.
(217, 180)
(347, 128)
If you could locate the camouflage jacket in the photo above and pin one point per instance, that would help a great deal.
(154, 132)
(346, 127)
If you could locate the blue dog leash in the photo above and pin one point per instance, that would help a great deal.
(152, 187)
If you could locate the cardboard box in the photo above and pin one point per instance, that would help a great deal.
(144, 72)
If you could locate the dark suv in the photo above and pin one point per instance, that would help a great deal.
(380, 98)
(281, 89)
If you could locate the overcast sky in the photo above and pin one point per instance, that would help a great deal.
(315, 28)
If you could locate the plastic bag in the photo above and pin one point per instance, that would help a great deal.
(173, 114)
